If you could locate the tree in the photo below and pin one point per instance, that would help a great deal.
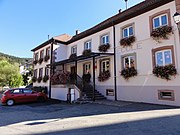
(9, 74)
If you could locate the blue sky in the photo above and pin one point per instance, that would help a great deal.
(24, 24)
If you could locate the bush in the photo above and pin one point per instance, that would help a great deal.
(40, 89)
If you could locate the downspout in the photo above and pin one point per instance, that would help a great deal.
(115, 79)
(51, 68)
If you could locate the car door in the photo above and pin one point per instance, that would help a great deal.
(17, 95)
(29, 95)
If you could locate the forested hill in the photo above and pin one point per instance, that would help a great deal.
(13, 59)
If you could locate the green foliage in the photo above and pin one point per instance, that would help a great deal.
(9, 74)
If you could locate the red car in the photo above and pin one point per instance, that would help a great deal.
(19, 95)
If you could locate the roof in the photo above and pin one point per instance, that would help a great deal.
(132, 12)
(57, 39)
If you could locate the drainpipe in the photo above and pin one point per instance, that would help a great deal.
(51, 68)
(115, 79)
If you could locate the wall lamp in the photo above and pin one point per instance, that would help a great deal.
(176, 17)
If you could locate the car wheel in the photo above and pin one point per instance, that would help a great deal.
(10, 102)
(40, 99)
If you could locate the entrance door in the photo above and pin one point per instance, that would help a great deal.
(73, 74)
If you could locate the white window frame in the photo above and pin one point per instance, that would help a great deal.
(160, 21)
(163, 56)
(88, 45)
(105, 36)
(129, 59)
(87, 67)
(46, 71)
(36, 56)
(127, 31)
(106, 66)
(72, 50)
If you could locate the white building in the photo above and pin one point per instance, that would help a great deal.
(125, 50)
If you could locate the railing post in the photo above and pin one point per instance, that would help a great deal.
(94, 79)
(76, 72)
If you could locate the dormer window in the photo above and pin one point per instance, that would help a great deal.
(74, 50)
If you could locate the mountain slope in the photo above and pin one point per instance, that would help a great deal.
(13, 59)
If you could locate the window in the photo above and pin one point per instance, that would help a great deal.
(87, 45)
(27, 91)
(42, 54)
(36, 56)
(128, 31)
(48, 51)
(87, 68)
(17, 91)
(35, 73)
(166, 95)
(74, 50)
(163, 56)
(160, 21)
(129, 61)
(46, 71)
(105, 65)
(105, 39)
(109, 92)
(40, 72)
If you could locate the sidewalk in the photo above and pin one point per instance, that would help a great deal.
(113, 103)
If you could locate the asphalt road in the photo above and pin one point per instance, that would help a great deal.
(57, 118)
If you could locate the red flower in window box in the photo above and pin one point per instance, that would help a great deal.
(104, 47)
(128, 72)
(46, 58)
(86, 52)
(127, 41)
(39, 79)
(103, 76)
(40, 60)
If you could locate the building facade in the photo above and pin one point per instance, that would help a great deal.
(132, 56)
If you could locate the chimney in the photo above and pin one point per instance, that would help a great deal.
(77, 32)
(119, 10)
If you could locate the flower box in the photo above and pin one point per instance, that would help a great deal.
(39, 79)
(104, 47)
(103, 76)
(127, 41)
(161, 33)
(46, 58)
(35, 62)
(128, 72)
(165, 72)
(60, 77)
(45, 78)
(34, 79)
(86, 52)
(40, 60)
(73, 56)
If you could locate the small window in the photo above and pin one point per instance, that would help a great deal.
(166, 95)
(46, 71)
(109, 92)
(17, 91)
(129, 61)
(40, 72)
(105, 39)
(42, 54)
(105, 65)
(35, 73)
(87, 68)
(36, 56)
(74, 50)
(159, 21)
(27, 91)
(48, 51)
(128, 31)
(87, 45)
(163, 57)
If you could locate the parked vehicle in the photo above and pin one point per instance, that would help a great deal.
(5, 88)
(20, 95)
